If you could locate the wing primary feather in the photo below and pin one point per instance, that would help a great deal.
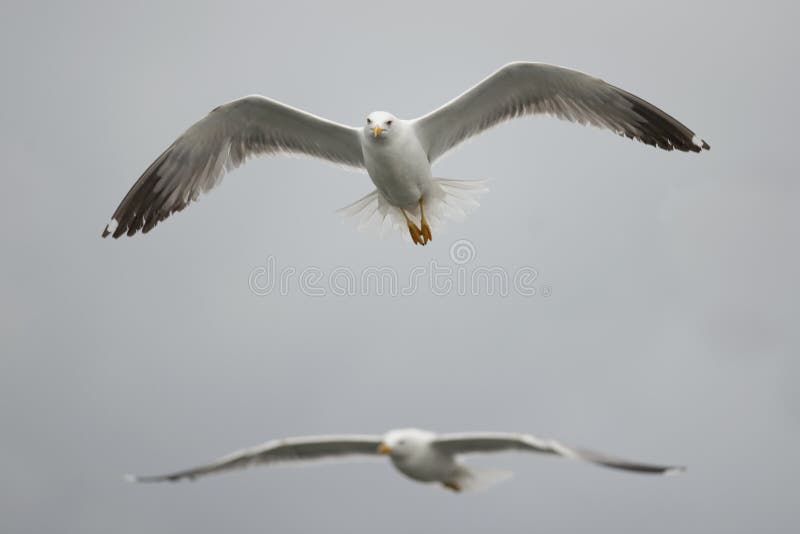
(535, 88)
(310, 448)
(220, 142)
(498, 441)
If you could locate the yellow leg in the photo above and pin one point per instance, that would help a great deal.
(452, 485)
(426, 230)
(416, 235)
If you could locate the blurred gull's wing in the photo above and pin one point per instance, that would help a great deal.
(279, 451)
(483, 442)
(221, 141)
(519, 89)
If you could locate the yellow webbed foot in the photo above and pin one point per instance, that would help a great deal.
(452, 486)
(426, 229)
(416, 234)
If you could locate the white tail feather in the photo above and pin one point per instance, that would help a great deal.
(448, 199)
(479, 479)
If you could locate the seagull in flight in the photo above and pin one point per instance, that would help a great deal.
(420, 455)
(397, 154)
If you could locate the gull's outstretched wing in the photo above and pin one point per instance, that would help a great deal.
(278, 451)
(221, 141)
(536, 88)
(483, 442)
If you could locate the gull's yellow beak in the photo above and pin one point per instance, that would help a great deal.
(384, 449)
(376, 131)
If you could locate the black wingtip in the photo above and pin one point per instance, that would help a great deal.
(147, 479)
(111, 227)
(700, 144)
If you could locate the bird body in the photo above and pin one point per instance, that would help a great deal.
(420, 455)
(396, 162)
(416, 459)
(427, 466)
(397, 154)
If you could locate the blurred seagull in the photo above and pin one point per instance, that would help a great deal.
(396, 153)
(420, 455)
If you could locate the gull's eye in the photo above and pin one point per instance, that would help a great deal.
(369, 121)
(389, 122)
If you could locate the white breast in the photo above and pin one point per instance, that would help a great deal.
(427, 466)
(398, 166)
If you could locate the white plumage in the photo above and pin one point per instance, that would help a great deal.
(418, 454)
(397, 154)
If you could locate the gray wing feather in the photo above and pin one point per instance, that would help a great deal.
(223, 140)
(279, 451)
(536, 88)
(498, 441)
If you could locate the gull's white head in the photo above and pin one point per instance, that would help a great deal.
(379, 124)
(405, 442)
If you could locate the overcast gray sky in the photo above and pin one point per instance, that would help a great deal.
(669, 333)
